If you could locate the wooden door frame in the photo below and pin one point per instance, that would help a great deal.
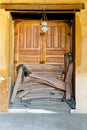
(74, 54)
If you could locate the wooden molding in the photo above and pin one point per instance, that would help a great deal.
(29, 7)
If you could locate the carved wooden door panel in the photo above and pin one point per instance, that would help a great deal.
(33, 47)
(57, 42)
(27, 42)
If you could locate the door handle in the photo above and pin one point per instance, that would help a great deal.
(15, 61)
(42, 62)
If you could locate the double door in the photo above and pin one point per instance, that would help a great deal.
(31, 46)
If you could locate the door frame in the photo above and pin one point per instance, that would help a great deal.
(12, 53)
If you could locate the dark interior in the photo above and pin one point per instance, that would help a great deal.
(37, 15)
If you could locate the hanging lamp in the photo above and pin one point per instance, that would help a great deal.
(44, 27)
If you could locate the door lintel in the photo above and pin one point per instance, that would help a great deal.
(38, 7)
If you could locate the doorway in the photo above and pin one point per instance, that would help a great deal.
(33, 47)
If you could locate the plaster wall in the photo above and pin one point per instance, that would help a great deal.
(40, 1)
(81, 61)
(80, 49)
(4, 59)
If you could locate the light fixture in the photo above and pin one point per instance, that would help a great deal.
(44, 27)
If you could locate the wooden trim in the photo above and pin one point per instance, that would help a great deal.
(28, 7)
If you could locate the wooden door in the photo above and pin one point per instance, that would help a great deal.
(27, 42)
(57, 42)
(33, 47)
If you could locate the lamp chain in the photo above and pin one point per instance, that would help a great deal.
(44, 17)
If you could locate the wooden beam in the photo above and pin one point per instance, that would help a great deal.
(40, 11)
(28, 7)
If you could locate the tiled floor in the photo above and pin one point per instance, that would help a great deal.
(42, 121)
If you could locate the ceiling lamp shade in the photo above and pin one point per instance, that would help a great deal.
(44, 26)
